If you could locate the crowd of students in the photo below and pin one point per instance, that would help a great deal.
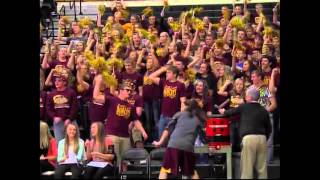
(128, 74)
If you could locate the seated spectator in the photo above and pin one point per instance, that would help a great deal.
(48, 149)
(70, 153)
(99, 149)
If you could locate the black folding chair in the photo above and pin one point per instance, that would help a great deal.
(156, 158)
(138, 163)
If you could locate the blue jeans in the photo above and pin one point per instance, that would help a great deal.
(162, 124)
(152, 109)
(58, 129)
(270, 141)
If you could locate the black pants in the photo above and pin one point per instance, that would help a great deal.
(97, 173)
(63, 168)
(45, 166)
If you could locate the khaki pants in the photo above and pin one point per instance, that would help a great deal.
(253, 157)
(136, 135)
(121, 144)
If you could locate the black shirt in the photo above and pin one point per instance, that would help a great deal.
(254, 119)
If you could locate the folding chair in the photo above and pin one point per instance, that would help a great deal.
(138, 163)
(156, 158)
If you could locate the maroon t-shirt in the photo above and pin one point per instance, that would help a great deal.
(97, 111)
(204, 103)
(56, 62)
(151, 91)
(171, 94)
(135, 100)
(120, 114)
(43, 96)
(136, 78)
(62, 104)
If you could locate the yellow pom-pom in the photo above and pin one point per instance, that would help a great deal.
(190, 74)
(197, 10)
(109, 80)
(197, 23)
(115, 62)
(148, 11)
(175, 26)
(101, 9)
(236, 22)
(84, 22)
(268, 30)
(125, 13)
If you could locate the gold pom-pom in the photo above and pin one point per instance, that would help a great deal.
(146, 35)
(109, 80)
(215, 26)
(268, 30)
(190, 74)
(107, 27)
(101, 9)
(148, 11)
(89, 55)
(197, 23)
(197, 10)
(125, 13)
(84, 22)
(115, 62)
(236, 22)
(175, 26)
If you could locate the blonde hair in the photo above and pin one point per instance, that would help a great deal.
(45, 135)
(227, 75)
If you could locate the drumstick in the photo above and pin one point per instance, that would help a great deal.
(224, 104)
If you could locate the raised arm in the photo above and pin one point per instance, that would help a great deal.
(71, 60)
(97, 97)
(187, 52)
(45, 64)
(195, 38)
(48, 82)
(272, 87)
(154, 76)
(80, 80)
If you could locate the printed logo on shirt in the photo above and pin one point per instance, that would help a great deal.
(60, 101)
(123, 111)
(147, 81)
(169, 92)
